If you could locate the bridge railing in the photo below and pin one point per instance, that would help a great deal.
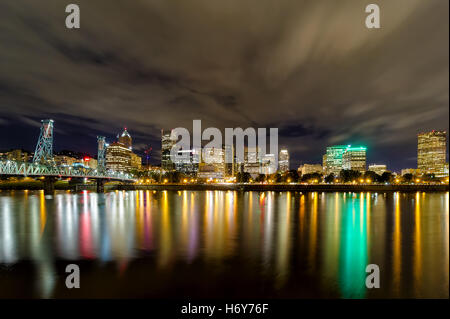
(8, 167)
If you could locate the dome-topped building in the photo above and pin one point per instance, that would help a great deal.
(125, 139)
(119, 155)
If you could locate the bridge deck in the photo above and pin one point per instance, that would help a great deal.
(15, 168)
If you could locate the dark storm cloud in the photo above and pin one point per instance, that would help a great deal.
(310, 68)
(295, 130)
(300, 130)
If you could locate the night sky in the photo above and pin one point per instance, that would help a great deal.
(310, 68)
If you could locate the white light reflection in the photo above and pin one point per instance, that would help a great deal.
(8, 247)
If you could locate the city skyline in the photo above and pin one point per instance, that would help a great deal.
(300, 74)
(335, 159)
(224, 157)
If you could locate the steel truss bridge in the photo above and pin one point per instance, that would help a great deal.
(14, 168)
(43, 164)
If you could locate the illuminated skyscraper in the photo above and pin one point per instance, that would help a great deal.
(252, 162)
(268, 164)
(229, 160)
(431, 152)
(187, 162)
(283, 161)
(125, 139)
(168, 140)
(354, 158)
(333, 158)
(324, 164)
(136, 161)
(212, 164)
(118, 157)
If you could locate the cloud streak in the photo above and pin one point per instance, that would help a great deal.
(308, 67)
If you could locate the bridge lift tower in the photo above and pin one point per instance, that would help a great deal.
(101, 154)
(101, 162)
(44, 147)
(44, 153)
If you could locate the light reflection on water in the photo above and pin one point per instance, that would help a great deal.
(271, 244)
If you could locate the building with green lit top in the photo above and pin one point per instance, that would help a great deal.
(339, 157)
(334, 158)
(354, 158)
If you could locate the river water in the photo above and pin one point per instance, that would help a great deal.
(207, 244)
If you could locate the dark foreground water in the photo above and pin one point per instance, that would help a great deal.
(224, 244)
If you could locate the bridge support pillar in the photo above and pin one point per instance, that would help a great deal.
(101, 185)
(49, 185)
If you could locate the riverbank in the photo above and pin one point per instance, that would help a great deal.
(292, 187)
(33, 185)
(62, 185)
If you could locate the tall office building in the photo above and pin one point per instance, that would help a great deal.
(268, 164)
(283, 161)
(168, 140)
(118, 157)
(324, 164)
(187, 162)
(136, 161)
(212, 164)
(229, 160)
(339, 157)
(354, 158)
(431, 152)
(252, 161)
(125, 139)
(333, 158)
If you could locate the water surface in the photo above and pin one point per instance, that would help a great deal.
(224, 244)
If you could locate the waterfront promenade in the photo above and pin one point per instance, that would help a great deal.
(36, 185)
(294, 187)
